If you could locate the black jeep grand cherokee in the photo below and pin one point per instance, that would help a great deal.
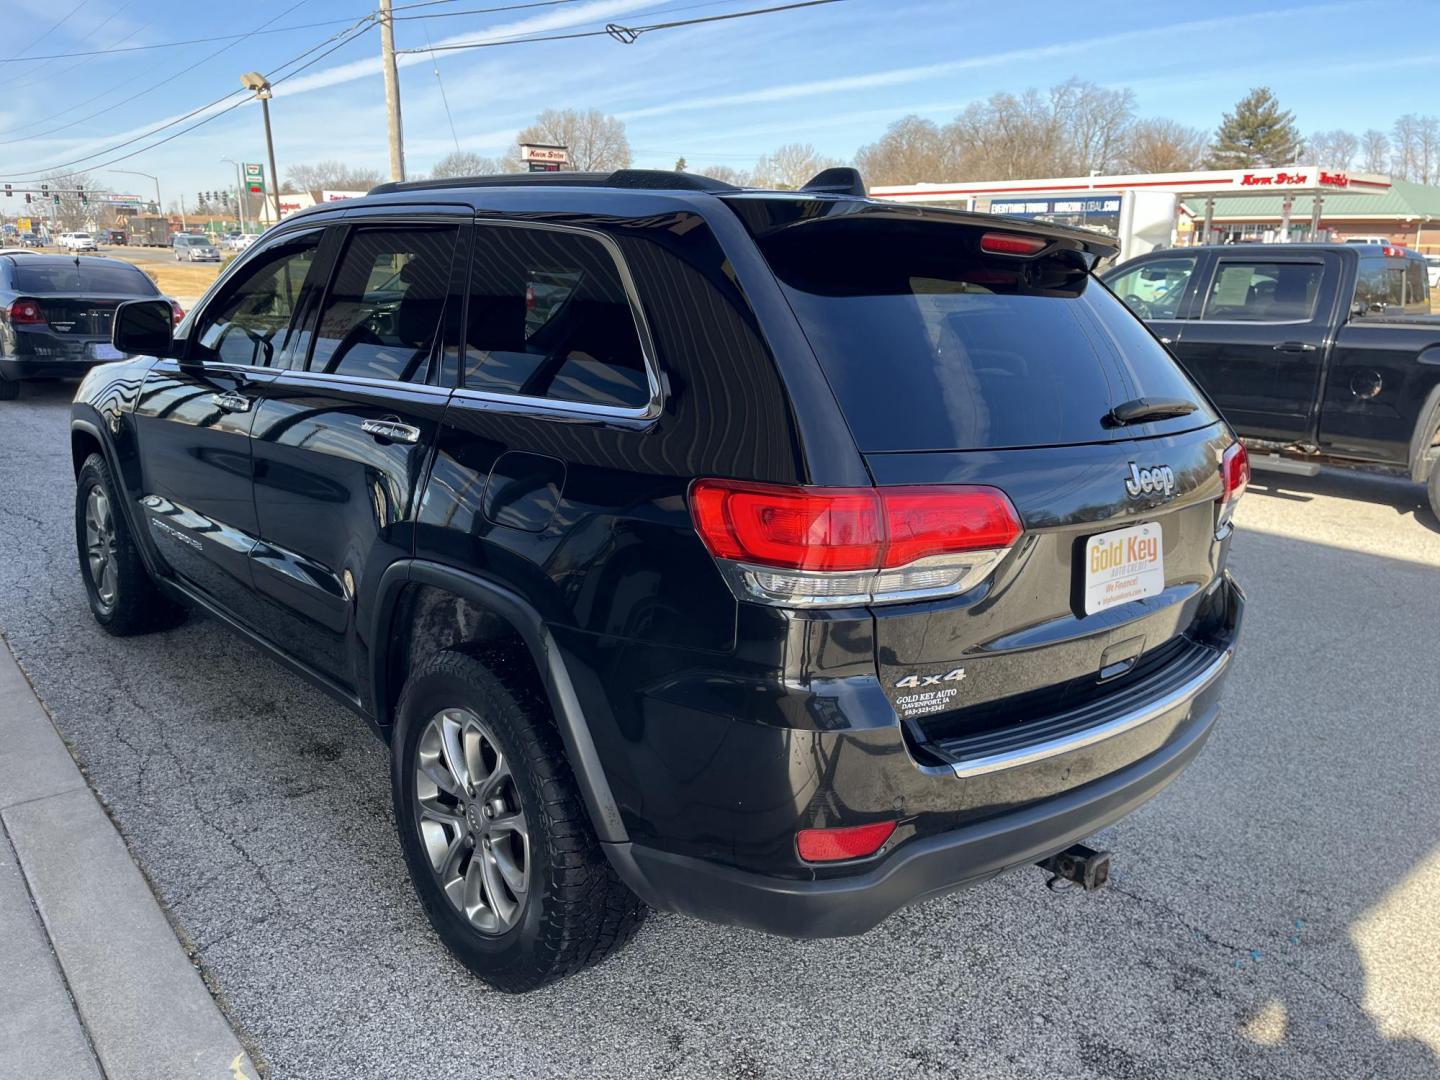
(780, 558)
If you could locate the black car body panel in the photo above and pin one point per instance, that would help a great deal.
(346, 522)
(1353, 374)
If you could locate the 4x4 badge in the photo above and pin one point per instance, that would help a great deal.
(1158, 480)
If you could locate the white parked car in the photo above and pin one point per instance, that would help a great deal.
(78, 241)
(191, 247)
(1432, 270)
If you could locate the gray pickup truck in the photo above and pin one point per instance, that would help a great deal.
(1315, 353)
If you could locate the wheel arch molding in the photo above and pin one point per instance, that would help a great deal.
(529, 626)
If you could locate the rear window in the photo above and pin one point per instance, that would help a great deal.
(929, 347)
(85, 278)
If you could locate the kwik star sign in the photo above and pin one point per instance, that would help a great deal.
(1293, 179)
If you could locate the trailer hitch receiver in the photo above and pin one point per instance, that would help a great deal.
(1077, 865)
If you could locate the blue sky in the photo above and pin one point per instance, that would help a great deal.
(725, 93)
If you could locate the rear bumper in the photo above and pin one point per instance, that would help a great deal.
(1164, 735)
(921, 869)
(16, 369)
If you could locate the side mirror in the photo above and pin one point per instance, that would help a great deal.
(144, 328)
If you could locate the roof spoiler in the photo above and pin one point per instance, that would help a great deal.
(840, 180)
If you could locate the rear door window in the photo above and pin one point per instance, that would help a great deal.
(549, 316)
(1251, 290)
(930, 348)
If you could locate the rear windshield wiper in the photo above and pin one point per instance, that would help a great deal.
(1142, 410)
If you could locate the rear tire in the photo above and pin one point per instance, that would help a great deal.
(507, 867)
(9, 389)
(123, 597)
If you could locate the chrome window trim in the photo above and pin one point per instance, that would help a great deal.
(651, 409)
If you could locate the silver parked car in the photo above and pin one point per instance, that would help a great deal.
(190, 247)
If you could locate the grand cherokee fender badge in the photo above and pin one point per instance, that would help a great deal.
(924, 701)
(1157, 480)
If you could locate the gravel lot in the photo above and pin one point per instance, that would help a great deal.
(1272, 915)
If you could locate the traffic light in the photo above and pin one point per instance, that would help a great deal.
(27, 196)
(81, 192)
(8, 191)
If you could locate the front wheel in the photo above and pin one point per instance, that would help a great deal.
(1434, 490)
(498, 844)
(123, 597)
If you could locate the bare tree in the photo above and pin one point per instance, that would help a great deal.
(597, 143)
(911, 151)
(791, 166)
(64, 202)
(726, 175)
(1404, 151)
(1331, 149)
(330, 176)
(1427, 149)
(1008, 135)
(1164, 146)
(467, 163)
(1093, 123)
(1374, 151)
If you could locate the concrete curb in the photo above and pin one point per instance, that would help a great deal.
(93, 981)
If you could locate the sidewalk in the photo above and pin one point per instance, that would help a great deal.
(94, 984)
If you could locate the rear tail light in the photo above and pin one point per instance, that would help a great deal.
(177, 312)
(1235, 476)
(26, 313)
(1389, 250)
(831, 547)
(999, 243)
(851, 842)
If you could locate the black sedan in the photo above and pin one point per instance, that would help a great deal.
(55, 314)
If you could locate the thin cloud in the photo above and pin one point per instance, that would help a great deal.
(901, 76)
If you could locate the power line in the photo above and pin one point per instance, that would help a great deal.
(626, 35)
(150, 89)
(240, 37)
(474, 11)
(63, 20)
(89, 35)
(356, 30)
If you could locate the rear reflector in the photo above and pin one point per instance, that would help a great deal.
(26, 313)
(810, 547)
(999, 243)
(851, 842)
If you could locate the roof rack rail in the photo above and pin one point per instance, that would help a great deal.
(651, 179)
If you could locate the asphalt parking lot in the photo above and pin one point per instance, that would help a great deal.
(1272, 913)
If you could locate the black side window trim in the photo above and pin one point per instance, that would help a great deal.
(541, 406)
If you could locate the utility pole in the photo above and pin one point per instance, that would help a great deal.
(392, 91)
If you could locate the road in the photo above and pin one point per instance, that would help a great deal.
(1272, 913)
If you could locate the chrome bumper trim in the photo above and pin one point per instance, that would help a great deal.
(1064, 744)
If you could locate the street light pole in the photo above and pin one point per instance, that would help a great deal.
(239, 192)
(253, 80)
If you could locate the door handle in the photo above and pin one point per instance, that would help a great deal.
(391, 429)
(230, 401)
(1296, 346)
(1167, 341)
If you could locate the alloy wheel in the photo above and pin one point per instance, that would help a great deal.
(471, 822)
(100, 546)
